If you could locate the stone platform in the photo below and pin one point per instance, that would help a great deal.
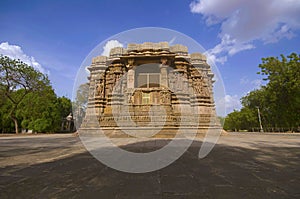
(152, 133)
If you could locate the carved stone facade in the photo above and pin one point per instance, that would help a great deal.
(150, 78)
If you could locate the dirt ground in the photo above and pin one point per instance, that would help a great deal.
(241, 165)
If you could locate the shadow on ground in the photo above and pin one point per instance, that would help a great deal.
(227, 172)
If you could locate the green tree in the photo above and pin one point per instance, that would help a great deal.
(17, 80)
(43, 111)
(282, 92)
(5, 121)
(65, 106)
(233, 121)
(278, 100)
(228, 122)
(245, 119)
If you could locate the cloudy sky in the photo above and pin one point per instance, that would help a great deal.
(56, 36)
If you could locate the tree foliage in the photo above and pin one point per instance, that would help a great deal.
(278, 100)
(28, 100)
(17, 80)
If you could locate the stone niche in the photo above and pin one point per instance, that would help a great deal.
(150, 85)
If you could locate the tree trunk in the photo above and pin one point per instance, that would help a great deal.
(16, 125)
(13, 117)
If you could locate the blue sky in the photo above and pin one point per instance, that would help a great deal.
(56, 36)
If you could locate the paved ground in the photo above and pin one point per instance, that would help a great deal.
(240, 166)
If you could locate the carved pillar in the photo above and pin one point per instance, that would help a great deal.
(116, 97)
(130, 78)
(130, 74)
(130, 81)
(165, 98)
(181, 104)
(164, 73)
(99, 93)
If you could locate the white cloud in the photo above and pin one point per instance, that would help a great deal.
(228, 46)
(109, 45)
(212, 58)
(230, 103)
(253, 84)
(257, 83)
(244, 21)
(16, 52)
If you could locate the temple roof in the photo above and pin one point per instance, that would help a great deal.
(145, 47)
(149, 49)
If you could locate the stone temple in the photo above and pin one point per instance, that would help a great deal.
(150, 86)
